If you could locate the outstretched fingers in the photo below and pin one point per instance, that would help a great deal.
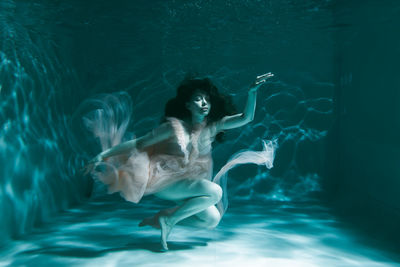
(87, 168)
(263, 78)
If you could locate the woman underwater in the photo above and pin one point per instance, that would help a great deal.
(174, 162)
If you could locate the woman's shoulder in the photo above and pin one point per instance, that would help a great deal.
(174, 123)
(165, 129)
(177, 127)
(171, 123)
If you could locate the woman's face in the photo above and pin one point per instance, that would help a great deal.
(199, 103)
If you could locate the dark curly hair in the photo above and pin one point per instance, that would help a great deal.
(221, 105)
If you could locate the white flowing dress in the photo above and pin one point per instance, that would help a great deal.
(182, 156)
(149, 171)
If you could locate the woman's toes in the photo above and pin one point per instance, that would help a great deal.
(165, 230)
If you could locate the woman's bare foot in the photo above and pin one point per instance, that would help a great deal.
(165, 230)
(151, 221)
(154, 220)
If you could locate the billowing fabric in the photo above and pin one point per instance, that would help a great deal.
(182, 156)
(149, 171)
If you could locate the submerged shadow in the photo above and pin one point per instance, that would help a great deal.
(108, 226)
(98, 228)
(84, 252)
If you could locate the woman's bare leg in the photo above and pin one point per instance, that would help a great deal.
(153, 220)
(196, 195)
(208, 218)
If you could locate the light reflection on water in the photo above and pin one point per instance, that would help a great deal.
(104, 231)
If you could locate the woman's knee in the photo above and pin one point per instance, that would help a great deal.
(189, 188)
(212, 217)
(216, 192)
(213, 190)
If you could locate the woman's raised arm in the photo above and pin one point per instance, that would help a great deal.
(237, 120)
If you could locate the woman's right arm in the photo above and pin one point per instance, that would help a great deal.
(163, 132)
(238, 120)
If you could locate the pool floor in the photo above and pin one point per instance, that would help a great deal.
(104, 232)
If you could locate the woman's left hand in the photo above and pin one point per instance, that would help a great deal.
(260, 80)
(92, 164)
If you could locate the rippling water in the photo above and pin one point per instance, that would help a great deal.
(55, 55)
(256, 234)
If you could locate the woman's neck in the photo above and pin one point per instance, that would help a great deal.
(197, 120)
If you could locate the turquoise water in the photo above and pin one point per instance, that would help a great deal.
(56, 55)
(104, 231)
